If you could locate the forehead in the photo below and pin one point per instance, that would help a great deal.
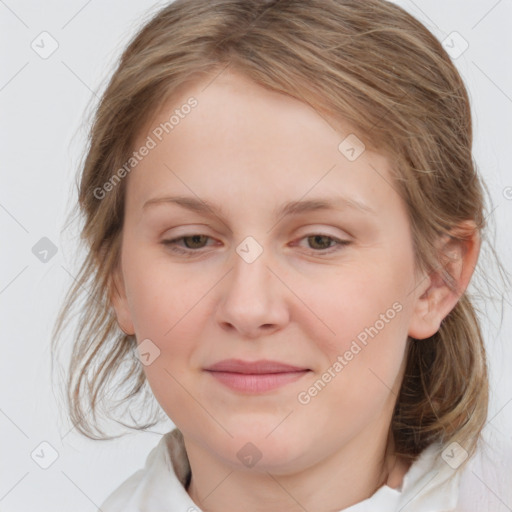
(241, 140)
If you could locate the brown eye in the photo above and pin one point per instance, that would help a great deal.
(191, 244)
(194, 241)
(320, 244)
(320, 241)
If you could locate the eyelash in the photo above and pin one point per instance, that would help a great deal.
(172, 244)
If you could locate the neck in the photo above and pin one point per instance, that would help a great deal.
(344, 478)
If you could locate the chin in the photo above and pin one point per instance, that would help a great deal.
(263, 447)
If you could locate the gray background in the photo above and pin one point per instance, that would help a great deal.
(43, 105)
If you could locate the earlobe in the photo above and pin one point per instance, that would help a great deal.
(458, 255)
(117, 296)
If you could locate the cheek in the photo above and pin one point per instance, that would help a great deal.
(364, 345)
(361, 377)
(161, 295)
(164, 303)
(359, 302)
(166, 308)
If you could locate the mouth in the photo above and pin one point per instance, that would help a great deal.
(255, 376)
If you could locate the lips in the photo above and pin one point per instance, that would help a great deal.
(253, 367)
(255, 376)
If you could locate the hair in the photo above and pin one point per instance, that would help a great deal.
(366, 62)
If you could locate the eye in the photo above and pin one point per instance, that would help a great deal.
(324, 243)
(192, 243)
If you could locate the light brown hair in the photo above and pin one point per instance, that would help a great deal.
(367, 62)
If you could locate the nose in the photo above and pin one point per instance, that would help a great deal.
(253, 299)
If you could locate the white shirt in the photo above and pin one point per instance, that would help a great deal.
(483, 484)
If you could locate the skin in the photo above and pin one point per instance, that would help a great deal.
(250, 150)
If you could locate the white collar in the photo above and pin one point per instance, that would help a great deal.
(430, 484)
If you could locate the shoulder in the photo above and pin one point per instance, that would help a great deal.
(131, 490)
(438, 481)
(118, 500)
(486, 480)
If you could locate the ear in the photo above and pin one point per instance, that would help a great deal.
(117, 296)
(458, 254)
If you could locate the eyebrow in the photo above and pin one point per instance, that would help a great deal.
(290, 208)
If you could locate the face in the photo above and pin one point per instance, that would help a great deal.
(228, 275)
